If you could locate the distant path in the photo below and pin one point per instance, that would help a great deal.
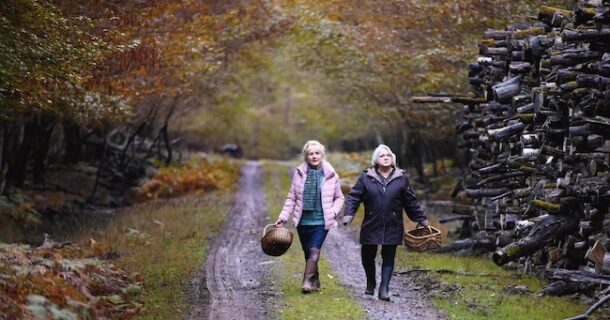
(233, 282)
(343, 252)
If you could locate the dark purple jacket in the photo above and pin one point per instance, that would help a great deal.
(383, 209)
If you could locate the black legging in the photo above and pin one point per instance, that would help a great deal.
(369, 251)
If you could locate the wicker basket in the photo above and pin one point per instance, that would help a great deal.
(423, 238)
(275, 242)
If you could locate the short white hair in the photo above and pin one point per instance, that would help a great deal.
(313, 144)
(378, 150)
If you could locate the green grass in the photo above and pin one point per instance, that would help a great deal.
(481, 294)
(333, 301)
(169, 248)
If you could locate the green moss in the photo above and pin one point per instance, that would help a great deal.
(477, 291)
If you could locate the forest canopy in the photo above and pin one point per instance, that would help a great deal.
(266, 75)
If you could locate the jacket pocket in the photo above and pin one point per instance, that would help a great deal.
(368, 218)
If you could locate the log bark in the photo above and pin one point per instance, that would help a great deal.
(492, 51)
(523, 34)
(520, 67)
(475, 245)
(480, 193)
(594, 307)
(547, 12)
(504, 91)
(542, 233)
(500, 177)
(574, 281)
(429, 99)
(596, 253)
(508, 131)
(572, 57)
(498, 34)
(571, 35)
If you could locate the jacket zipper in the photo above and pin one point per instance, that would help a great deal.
(384, 219)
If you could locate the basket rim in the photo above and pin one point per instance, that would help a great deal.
(437, 232)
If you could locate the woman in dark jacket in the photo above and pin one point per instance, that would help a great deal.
(385, 191)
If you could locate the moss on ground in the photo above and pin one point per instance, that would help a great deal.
(475, 288)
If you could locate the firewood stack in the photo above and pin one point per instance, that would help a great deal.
(537, 129)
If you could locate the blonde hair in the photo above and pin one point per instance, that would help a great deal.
(310, 144)
(378, 150)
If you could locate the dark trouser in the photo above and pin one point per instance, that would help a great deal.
(368, 253)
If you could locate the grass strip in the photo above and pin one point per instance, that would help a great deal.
(165, 241)
(333, 301)
(460, 295)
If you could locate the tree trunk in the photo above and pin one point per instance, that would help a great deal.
(3, 155)
(416, 156)
(164, 131)
(74, 142)
(17, 167)
(41, 148)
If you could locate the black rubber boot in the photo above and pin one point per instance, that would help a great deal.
(371, 282)
(384, 286)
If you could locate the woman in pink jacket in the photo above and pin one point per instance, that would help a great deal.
(315, 198)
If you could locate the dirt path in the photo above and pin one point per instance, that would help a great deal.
(234, 282)
(343, 252)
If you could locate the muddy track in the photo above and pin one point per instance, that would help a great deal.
(234, 282)
(407, 302)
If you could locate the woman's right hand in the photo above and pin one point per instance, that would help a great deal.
(279, 223)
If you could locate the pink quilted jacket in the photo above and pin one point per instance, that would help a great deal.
(332, 197)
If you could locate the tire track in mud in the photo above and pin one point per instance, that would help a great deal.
(234, 282)
(343, 252)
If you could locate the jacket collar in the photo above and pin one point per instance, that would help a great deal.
(328, 170)
(371, 172)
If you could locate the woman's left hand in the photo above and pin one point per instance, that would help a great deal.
(423, 223)
(279, 223)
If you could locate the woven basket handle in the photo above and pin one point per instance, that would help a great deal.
(265, 229)
(419, 226)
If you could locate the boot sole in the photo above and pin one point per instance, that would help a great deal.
(306, 290)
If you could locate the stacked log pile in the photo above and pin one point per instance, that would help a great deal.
(537, 129)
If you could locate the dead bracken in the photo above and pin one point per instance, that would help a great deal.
(50, 282)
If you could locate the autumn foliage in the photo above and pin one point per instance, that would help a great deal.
(193, 177)
(47, 283)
